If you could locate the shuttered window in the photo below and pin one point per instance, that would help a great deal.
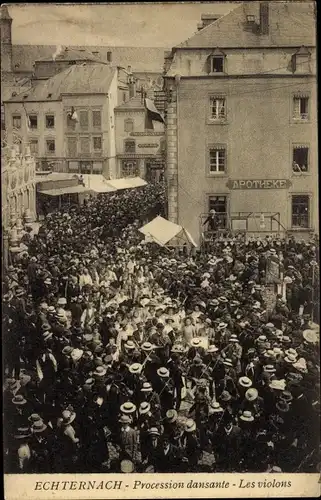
(83, 119)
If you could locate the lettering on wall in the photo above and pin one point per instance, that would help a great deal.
(148, 145)
(259, 184)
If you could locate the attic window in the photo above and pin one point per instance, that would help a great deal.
(217, 64)
(25, 96)
(49, 96)
(301, 61)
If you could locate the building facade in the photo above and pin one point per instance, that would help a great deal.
(18, 185)
(42, 115)
(241, 121)
(140, 151)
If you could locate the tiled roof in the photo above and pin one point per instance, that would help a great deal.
(291, 24)
(141, 59)
(78, 79)
(69, 54)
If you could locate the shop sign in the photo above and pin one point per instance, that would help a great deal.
(259, 184)
(148, 145)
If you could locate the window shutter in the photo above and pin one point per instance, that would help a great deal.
(208, 65)
(97, 119)
(84, 145)
(83, 119)
(296, 106)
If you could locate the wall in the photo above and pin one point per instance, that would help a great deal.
(258, 134)
(112, 103)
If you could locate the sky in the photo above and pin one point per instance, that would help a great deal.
(140, 25)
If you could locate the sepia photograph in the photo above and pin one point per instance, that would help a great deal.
(160, 247)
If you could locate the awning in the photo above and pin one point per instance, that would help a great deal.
(64, 190)
(127, 183)
(97, 183)
(163, 232)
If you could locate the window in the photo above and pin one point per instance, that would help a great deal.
(129, 125)
(124, 96)
(97, 143)
(300, 159)
(84, 145)
(300, 211)
(85, 167)
(71, 124)
(300, 108)
(109, 56)
(16, 121)
(33, 122)
(217, 64)
(96, 119)
(301, 61)
(50, 146)
(34, 146)
(217, 108)
(83, 119)
(217, 159)
(219, 204)
(97, 167)
(73, 166)
(130, 147)
(72, 146)
(129, 169)
(50, 121)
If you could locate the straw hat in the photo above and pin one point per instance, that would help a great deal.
(47, 335)
(212, 348)
(223, 300)
(269, 369)
(130, 344)
(68, 417)
(190, 426)
(22, 433)
(286, 396)
(38, 426)
(135, 368)
(19, 400)
(128, 407)
(67, 350)
(216, 407)
(225, 396)
(171, 415)
(147, 387)
(76, 354)
(163, 372)
(245, 382)
(301, 365)
(290, 359)
(222, 326)
(228, 362)
(247, 416)
(126, 466)
(147, 346)
(310, 336)
(144, 408)
(291, 352)
(125, 419)
(195, 342)
(262, 338)
(100, 371)
(153, 431)
(62, 301)
(179, 348)
(278, 385)
(251, 394)
(233, 338)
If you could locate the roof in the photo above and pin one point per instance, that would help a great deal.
(64, 190)
(291, 24)
(69, 54)
(93, 78)
(162, 231)
(133, 103)
(141, 59)
(127, 183)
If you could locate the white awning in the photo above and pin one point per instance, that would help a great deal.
(127, 183)
(64, 190)
(163, 232)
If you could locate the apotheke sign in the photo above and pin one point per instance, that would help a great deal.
(259, 184)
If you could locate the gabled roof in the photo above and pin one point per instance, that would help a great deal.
(291, 24)
(141, 59)
(134, 102)
(78, 79)
(69, 54)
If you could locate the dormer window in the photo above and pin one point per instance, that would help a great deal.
(301, 61)
(216, 62)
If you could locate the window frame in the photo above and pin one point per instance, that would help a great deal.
(126, 122)
(33, 139)
(300, 146)
(210, 118)
(54, 121)
(95, 150)
(96, 127)
(212, 58)
(217, 147)
(50, 153)
(300, 95)
(81, 128)
(128, 141)
(75, 138)
(135, 168)
(309, 215)
(32, 115)
(227, 204)
(81, 152)
(16, 115)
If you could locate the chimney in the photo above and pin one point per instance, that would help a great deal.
(208, 19)
(264, 18)
(109, 56)
(200, 26)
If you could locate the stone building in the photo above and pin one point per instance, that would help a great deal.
(241, 121)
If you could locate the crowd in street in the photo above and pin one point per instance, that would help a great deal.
(122, 355)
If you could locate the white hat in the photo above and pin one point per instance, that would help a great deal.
(247, 416)
(147, 387)
(278, 385)
(100, 371)
(144, 407)
(251, 394)
(163, 372)
(130, 344)
(212, 348)
(290, 358)
(216, 407)
(76, 354)
(228, 362)
(222, 326)
(147, 346)
(310, 336)
(301, 365)
(233, 338)
(135, 368)
(62, 301)
(190, 425)
(245, 382)
(128, 407)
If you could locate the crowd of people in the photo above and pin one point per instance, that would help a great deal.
(123, 356)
